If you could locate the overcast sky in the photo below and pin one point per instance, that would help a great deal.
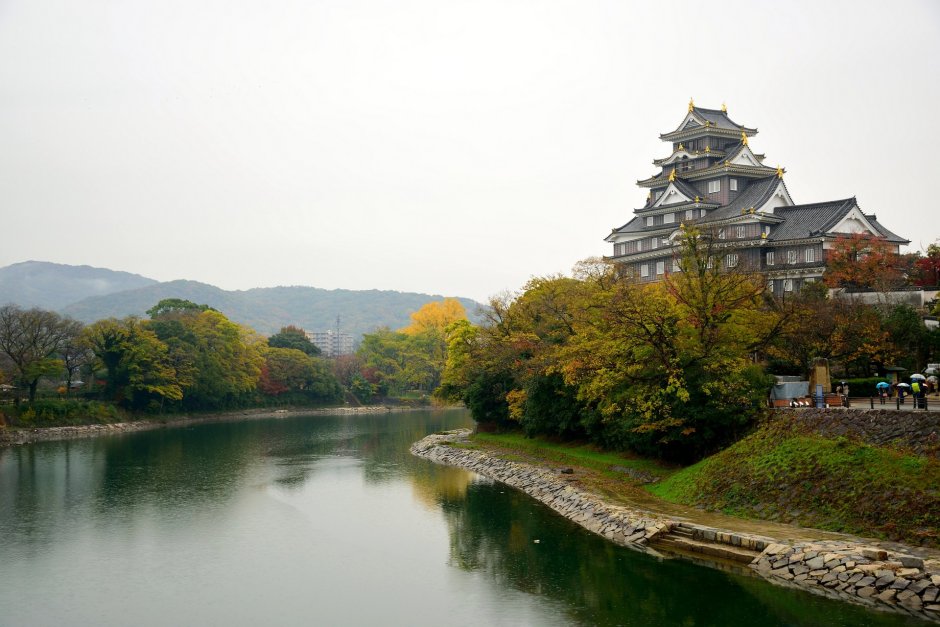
(454, 148)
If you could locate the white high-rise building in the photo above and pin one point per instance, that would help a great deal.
(331, 343)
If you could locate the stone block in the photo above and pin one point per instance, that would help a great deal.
(909, 561)
(930, 595)
(932, 608)
(875, 554)
(799, 569)
(885, 580)
(816, 563)
(770, 549)
(887, 596)
(908, 572)
(818, 573)
(900, 583)
(866, 592)
(905, 594)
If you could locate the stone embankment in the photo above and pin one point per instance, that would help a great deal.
(42, 434)
(915, 430)
(846, 570)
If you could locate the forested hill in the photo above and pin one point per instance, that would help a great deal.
(90, 294)
(268, 309)
(55, 285)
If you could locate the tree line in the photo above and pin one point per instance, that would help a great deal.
(674, 369)
(183, 357)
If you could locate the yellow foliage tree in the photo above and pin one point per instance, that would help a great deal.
(435, 316)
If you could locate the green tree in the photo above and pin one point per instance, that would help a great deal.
(139, 372)
(293, 337)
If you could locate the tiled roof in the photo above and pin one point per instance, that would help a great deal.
(891, 237)
(686, 188)
(633, 226)
(754, 195)
(802, 221)
(718, 118)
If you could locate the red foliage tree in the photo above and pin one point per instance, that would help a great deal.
(864, 261)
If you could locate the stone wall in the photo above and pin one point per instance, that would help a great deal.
(915, 430)
(848, 571)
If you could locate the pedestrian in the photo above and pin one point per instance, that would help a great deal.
(916, 392)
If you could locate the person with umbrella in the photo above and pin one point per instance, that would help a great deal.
(932, 384)
(883, 387)
(917, 389)
(902, 390)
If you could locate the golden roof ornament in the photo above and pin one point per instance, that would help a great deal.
(672, 175)
(752, 210)
(691, 104)
(697, 199)
(744, 138)
(681, 147)
(708, 122)
(779, 172)
(708, 149)
(724, 108)
(763, 235)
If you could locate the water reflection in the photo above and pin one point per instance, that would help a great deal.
(329, 520)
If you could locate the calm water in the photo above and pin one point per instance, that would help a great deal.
(328, 521)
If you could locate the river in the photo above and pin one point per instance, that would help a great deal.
(328, 520)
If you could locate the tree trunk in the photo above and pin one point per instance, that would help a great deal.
(32, 390)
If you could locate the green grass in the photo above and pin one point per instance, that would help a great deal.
(573, 454)
(827, 483)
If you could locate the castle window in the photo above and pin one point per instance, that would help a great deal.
(649, 220)
(654, 243)
(644, 270)
(689, 214)
(731, 260)
(810, 255)
(770, 285)
(791, 257)
(669, 218)
(675, 266)
(788, 285)
(714, 186)
(657, 194)
(721, 233)
(770, 257)
(733, 185)
(741, 231)
(660, 267)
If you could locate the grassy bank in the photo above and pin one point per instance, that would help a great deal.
(777, 473)
(782, 473)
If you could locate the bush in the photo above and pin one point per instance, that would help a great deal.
(56, 412)
(861, 387)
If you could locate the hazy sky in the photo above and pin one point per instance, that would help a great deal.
(425, 145)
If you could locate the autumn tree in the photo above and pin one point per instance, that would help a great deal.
(288, 370)
(863, 261)
(927, 267)
(32, 340)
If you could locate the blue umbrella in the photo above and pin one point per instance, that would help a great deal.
(882, 384)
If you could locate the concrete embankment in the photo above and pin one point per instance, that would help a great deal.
(846, 570)
(10, 437)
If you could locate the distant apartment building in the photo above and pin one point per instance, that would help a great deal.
(331, 343)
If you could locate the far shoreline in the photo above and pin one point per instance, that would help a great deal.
(15, 436)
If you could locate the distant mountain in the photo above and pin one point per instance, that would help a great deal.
(55, 285)
(268, 309)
